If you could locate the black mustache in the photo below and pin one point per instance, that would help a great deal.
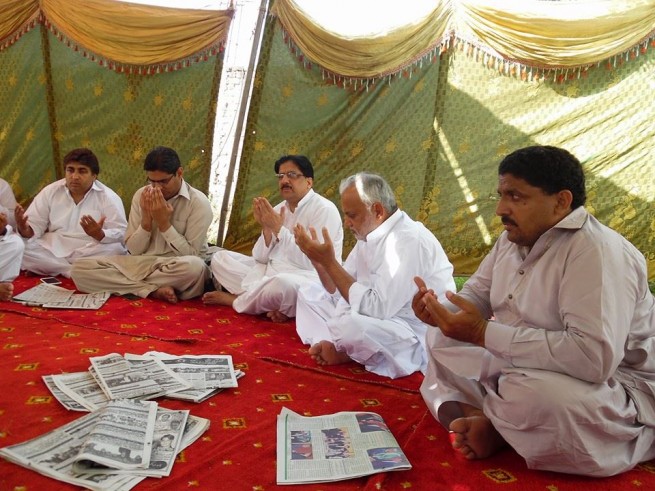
(508, 221)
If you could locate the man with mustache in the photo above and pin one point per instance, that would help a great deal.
(11, 245)
(268, 282)
(550, 346)
(363, 309)
(72, 218)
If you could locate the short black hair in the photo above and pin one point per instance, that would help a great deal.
(162, 159)
(85, 157)
(552, 169)
(301, 162)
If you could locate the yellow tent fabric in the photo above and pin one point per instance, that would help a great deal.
(538, 33)
(123, 32)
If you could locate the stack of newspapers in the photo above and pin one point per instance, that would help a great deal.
(143, 377)
(113, 448)
(127, 436)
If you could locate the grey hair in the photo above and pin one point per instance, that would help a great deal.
(371, 188)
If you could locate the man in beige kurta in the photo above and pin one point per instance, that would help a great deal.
(166, 238)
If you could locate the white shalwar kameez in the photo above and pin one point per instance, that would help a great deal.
(568, 374)
(378, 327)
(270, 279)
(11, 244)
(59, 239)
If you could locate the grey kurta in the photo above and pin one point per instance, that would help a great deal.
(568, 373)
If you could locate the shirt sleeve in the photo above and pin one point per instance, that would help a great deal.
(38, 213)
(115, 223)
(390, 287)
(595, 304)
(137, 239)
(194, 239)
(7, 202)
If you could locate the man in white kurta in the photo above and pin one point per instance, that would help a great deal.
(362, 311)
(268, 282)
(166, 239)
(553, 350)
(71, 218)
(11, 244)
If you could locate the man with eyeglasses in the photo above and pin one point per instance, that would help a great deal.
(166, 237)
(268, 282)
(72, 218)
(362, 311)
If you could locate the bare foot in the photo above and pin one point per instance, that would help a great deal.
(475, 437)
(277, 316)
(218, 298)
(165, 293)
(325, 353)
(6, 291)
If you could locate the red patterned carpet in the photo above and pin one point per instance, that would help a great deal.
(238, 451)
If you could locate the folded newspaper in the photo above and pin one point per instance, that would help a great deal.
(56, 297)
(113, 448)
(334, 447)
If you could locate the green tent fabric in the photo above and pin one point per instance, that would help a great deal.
(56, 94)
(438, 128)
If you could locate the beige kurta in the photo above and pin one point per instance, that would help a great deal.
(172, 258)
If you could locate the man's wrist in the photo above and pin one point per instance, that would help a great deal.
(482, 333)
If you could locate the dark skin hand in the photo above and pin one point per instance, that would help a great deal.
(466, 325)
(265, 215)
(21, 222)
(93, 228)
(155, 208)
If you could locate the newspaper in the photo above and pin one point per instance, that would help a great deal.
(204, 372)
(115, 447)
(120, 436)
(119, 379)
(56, 297)
(166, 442)
(142, 377)
(78, 384)
(334, 447)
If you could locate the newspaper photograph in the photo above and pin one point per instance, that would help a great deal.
(334, 447)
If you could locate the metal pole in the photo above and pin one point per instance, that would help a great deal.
(243, 111)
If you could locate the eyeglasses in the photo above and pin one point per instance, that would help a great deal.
(161, 182)
(291, 175)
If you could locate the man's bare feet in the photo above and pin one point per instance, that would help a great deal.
(6, 291)
(325, 353)
(277, 316)
(475, 437)
(165, 293)
(218, 298)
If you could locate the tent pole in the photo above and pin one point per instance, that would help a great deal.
(240, 126)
